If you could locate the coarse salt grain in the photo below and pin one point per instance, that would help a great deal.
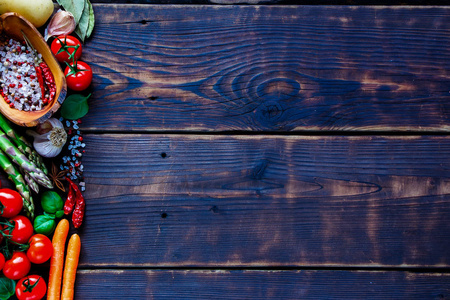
(20, 85)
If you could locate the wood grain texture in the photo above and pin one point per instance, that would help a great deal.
(282, 2)
(172, 284)
(155, 200)
(270, 68)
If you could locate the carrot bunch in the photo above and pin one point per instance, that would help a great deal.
(57, 263)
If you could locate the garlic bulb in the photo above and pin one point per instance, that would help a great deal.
(62, 23)
(49, 138)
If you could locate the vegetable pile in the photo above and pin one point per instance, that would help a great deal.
(21, 246)
(22, 163)
(37, 257)
(24, 242)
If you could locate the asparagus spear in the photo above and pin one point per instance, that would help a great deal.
(31, 183)
(20, 159)
(22, 144)
(15, 176)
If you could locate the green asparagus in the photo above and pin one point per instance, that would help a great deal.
(15, 176)
(20, 159)
(31, 183)
(22, 144)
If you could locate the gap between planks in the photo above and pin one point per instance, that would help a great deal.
(419, 269)
(317, 133)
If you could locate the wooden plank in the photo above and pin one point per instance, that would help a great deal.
(169, 284)
(261, 201)
(283, 2)
(271, 68)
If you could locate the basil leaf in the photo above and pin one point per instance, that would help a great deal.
(76, 7)
(7, 288)
(49, 216)
(44, 224)
(91, 20)
(82, 27)
(59, 214)
(74, 107)
(51, 202)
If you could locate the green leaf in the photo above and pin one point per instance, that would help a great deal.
(51, 202)
(44, 224)
(91, 20)
(82, 27)
(7, 288)
(75, 107)
(49, 215)
(59, 214)
(76, 7)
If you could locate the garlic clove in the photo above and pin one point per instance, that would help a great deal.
(44, 127)
(44, 146)
(62, 23)
(50, 138)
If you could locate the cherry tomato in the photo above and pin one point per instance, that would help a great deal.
(2, 260)
(68, 43)
(23, 229)
(31, 287)
(78, 76)
(11, 203)
(17, 267)
(41, 249)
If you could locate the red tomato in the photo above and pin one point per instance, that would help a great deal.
(11, 203)
(2, 260)
(78, 76)
(17, 267)
(41, 249)
(65, 44)
(23, 229)
(32, 287)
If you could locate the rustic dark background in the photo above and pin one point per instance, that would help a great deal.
(267, 150)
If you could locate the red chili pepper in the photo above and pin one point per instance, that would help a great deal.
(49, 80)
(70, 201)
(80, 204)
(78, 212)
(41, 80)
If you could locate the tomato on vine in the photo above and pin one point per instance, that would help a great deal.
(78, 75)
(22, 229)
(40, 250)
(66, 48)
(17, 266)
(2, 260)
(32, 287)
(11, 203)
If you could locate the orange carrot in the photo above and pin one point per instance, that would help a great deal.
(57, 260)
(70, 267)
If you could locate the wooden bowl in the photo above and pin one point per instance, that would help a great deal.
(12, 24)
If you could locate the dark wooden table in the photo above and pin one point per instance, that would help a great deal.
(267, 152)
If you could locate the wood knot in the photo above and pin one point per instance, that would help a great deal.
(270, 112)
(259, 169)
(214, 209)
